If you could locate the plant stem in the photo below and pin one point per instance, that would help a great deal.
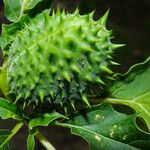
(44, 141)
(115, 101)
(61, 124)
(13, 132)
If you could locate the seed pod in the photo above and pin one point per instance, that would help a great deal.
(56, 57)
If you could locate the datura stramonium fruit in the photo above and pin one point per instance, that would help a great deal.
(57, 58)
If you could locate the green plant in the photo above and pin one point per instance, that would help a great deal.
(55, 60)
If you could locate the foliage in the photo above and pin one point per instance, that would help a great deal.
(133, 89)
(100, 125)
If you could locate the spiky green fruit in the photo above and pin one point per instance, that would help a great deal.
(56, 57)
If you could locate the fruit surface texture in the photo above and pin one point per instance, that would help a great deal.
(57, 57)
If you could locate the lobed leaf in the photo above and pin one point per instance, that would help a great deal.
(9, 110)
(133, 89)
(3, 135)
(106, 129)
(45, 119)
(14, 9)
(10, 31)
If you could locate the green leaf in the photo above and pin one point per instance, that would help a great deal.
(9, 32)
(9, 110)
(107, 129)
(30, 140)
(16, 30)
(45, 119)
(133, 89)
(12, 133)
(14, 9)
(4, 85)
(3, 135)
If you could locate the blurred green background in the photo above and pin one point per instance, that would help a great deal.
(130, 21)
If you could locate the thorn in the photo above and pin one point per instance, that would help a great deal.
(60, 85)
(18, 97)
(61, 21)
(103, 19)
(106, 69)
(53, 69)
(76, 12)
(53, 13)
(75, 68)
(48, 98)
(24, 105)
(84, 98)
(58, 11)
(9, 93)
(87, 48)
(61, 63)
(63, 12)
(36, 102)
(91, 14)
(79, 30)
(66, 76)
(112, 37)
(111, 78)
(61, 103)
(41, 94)
(80, 91)
(72, 104)
(116, 46)
(28, 103)
(114, 63)
(100, 81)
(32, 86)
(88, 77)
(46, 17)
(33, 106)
(27, 95)
(65, 109)
(110, 32)
(110, 57)
(52, 94)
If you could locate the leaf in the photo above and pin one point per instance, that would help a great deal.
(45, 119)
(9, 32)
(24, 26)
(12, 133)
(4, 85)
(9, 110)
(3, 135)
(14, 9)
(106, 129)
(30, 140)
(133, 89)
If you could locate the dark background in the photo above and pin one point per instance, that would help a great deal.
(130, 21)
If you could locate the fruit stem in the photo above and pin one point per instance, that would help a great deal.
(44, 141)
(13, 132)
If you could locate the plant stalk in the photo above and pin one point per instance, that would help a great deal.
(13, 132)
(44, 141)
